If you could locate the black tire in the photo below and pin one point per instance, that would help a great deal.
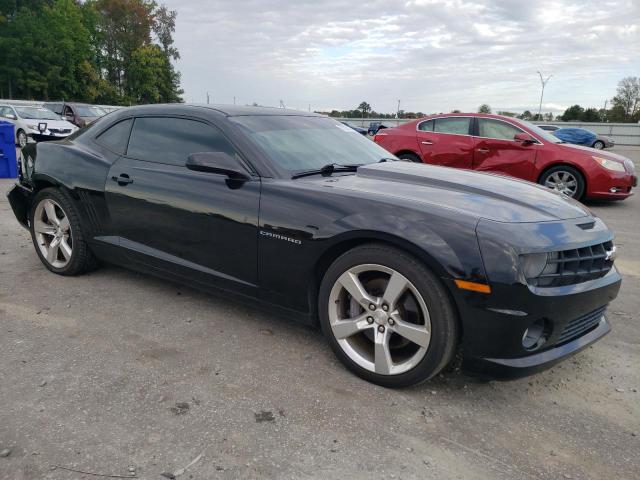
(82, 258)
(581, 184)
(21, 138)
(598, 145)
(411, 157)
(444, 322)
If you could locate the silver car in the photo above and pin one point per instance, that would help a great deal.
(35, 122)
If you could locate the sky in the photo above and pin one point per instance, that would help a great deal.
(432, 55)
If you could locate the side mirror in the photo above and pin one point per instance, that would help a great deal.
(524, 138)
(217, 162)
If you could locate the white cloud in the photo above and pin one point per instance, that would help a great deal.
(435, 55)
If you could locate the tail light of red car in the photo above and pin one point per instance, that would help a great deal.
(378, 137)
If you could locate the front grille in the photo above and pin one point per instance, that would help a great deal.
(568, 267)
(578, 327)
(60, 130)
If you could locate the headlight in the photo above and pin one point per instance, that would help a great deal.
(610, 164)
(32, 126)
(536, 264)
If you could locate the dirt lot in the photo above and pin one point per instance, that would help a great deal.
(122, 374)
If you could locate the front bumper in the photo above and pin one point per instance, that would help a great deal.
(493, 325)
(608, 185)
(20, 200)
(47, 137)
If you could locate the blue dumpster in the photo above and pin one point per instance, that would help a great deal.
(8, 161)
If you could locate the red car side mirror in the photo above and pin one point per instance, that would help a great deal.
(525, 138)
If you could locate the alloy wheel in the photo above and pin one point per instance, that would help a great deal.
(53, 233)
(563, 182)
(379, 319)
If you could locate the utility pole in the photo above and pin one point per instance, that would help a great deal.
(398, 110)
(544, 83)
(282, 104)
(234, 99)
(207, 98)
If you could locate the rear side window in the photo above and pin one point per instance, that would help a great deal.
(426, 126)
(454, 125)
(172, 140)
(490, 128)
(115, 138)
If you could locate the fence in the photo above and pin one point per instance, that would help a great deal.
(622, 133)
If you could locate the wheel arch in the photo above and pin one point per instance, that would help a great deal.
(409, 151)
(363, 238)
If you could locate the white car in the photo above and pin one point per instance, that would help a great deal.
(35, 122)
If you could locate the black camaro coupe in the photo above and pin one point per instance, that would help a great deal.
(402, 265)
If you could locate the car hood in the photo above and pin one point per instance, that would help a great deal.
(591, 151)
(483, 195)
(63, 124)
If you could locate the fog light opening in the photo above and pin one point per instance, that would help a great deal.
(536, 335)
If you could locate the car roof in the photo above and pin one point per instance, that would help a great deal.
(227, 110)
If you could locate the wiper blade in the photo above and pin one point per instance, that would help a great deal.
(328, 169)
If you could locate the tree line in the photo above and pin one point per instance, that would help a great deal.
(624, 108)
(116, 52)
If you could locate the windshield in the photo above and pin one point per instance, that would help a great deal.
(301, 143)
(36, 113)
(89, 111)
(544, 134)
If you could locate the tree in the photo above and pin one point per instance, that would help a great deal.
(93, 50)
(364, 107)
(575, 112)
(591, 115)
(484, 108)
(628, 96)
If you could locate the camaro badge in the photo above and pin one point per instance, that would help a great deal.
(280, 237)
(610, 255)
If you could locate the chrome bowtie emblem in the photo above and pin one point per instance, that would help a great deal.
(610, 255)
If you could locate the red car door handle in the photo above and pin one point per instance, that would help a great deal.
(483, 150)
(424, 142)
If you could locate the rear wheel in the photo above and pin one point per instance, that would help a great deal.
(386, 316)
(412, 157)
(57, 236)
(564, 179)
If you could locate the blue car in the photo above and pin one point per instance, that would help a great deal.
(580, 136)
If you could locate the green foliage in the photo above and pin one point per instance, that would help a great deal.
(98, 51)
(627, 99)
(575, 112)
(484, 108)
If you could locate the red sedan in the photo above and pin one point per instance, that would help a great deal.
(508, 146)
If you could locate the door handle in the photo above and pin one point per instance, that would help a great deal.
(483, 150)
(424, 142)
(122, 180)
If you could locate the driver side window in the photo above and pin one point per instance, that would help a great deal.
(171, 140)
(490, 128)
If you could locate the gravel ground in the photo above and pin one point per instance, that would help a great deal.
(123, 374)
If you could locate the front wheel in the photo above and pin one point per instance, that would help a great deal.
(598, 145)
(387, 317)
(564, 179)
